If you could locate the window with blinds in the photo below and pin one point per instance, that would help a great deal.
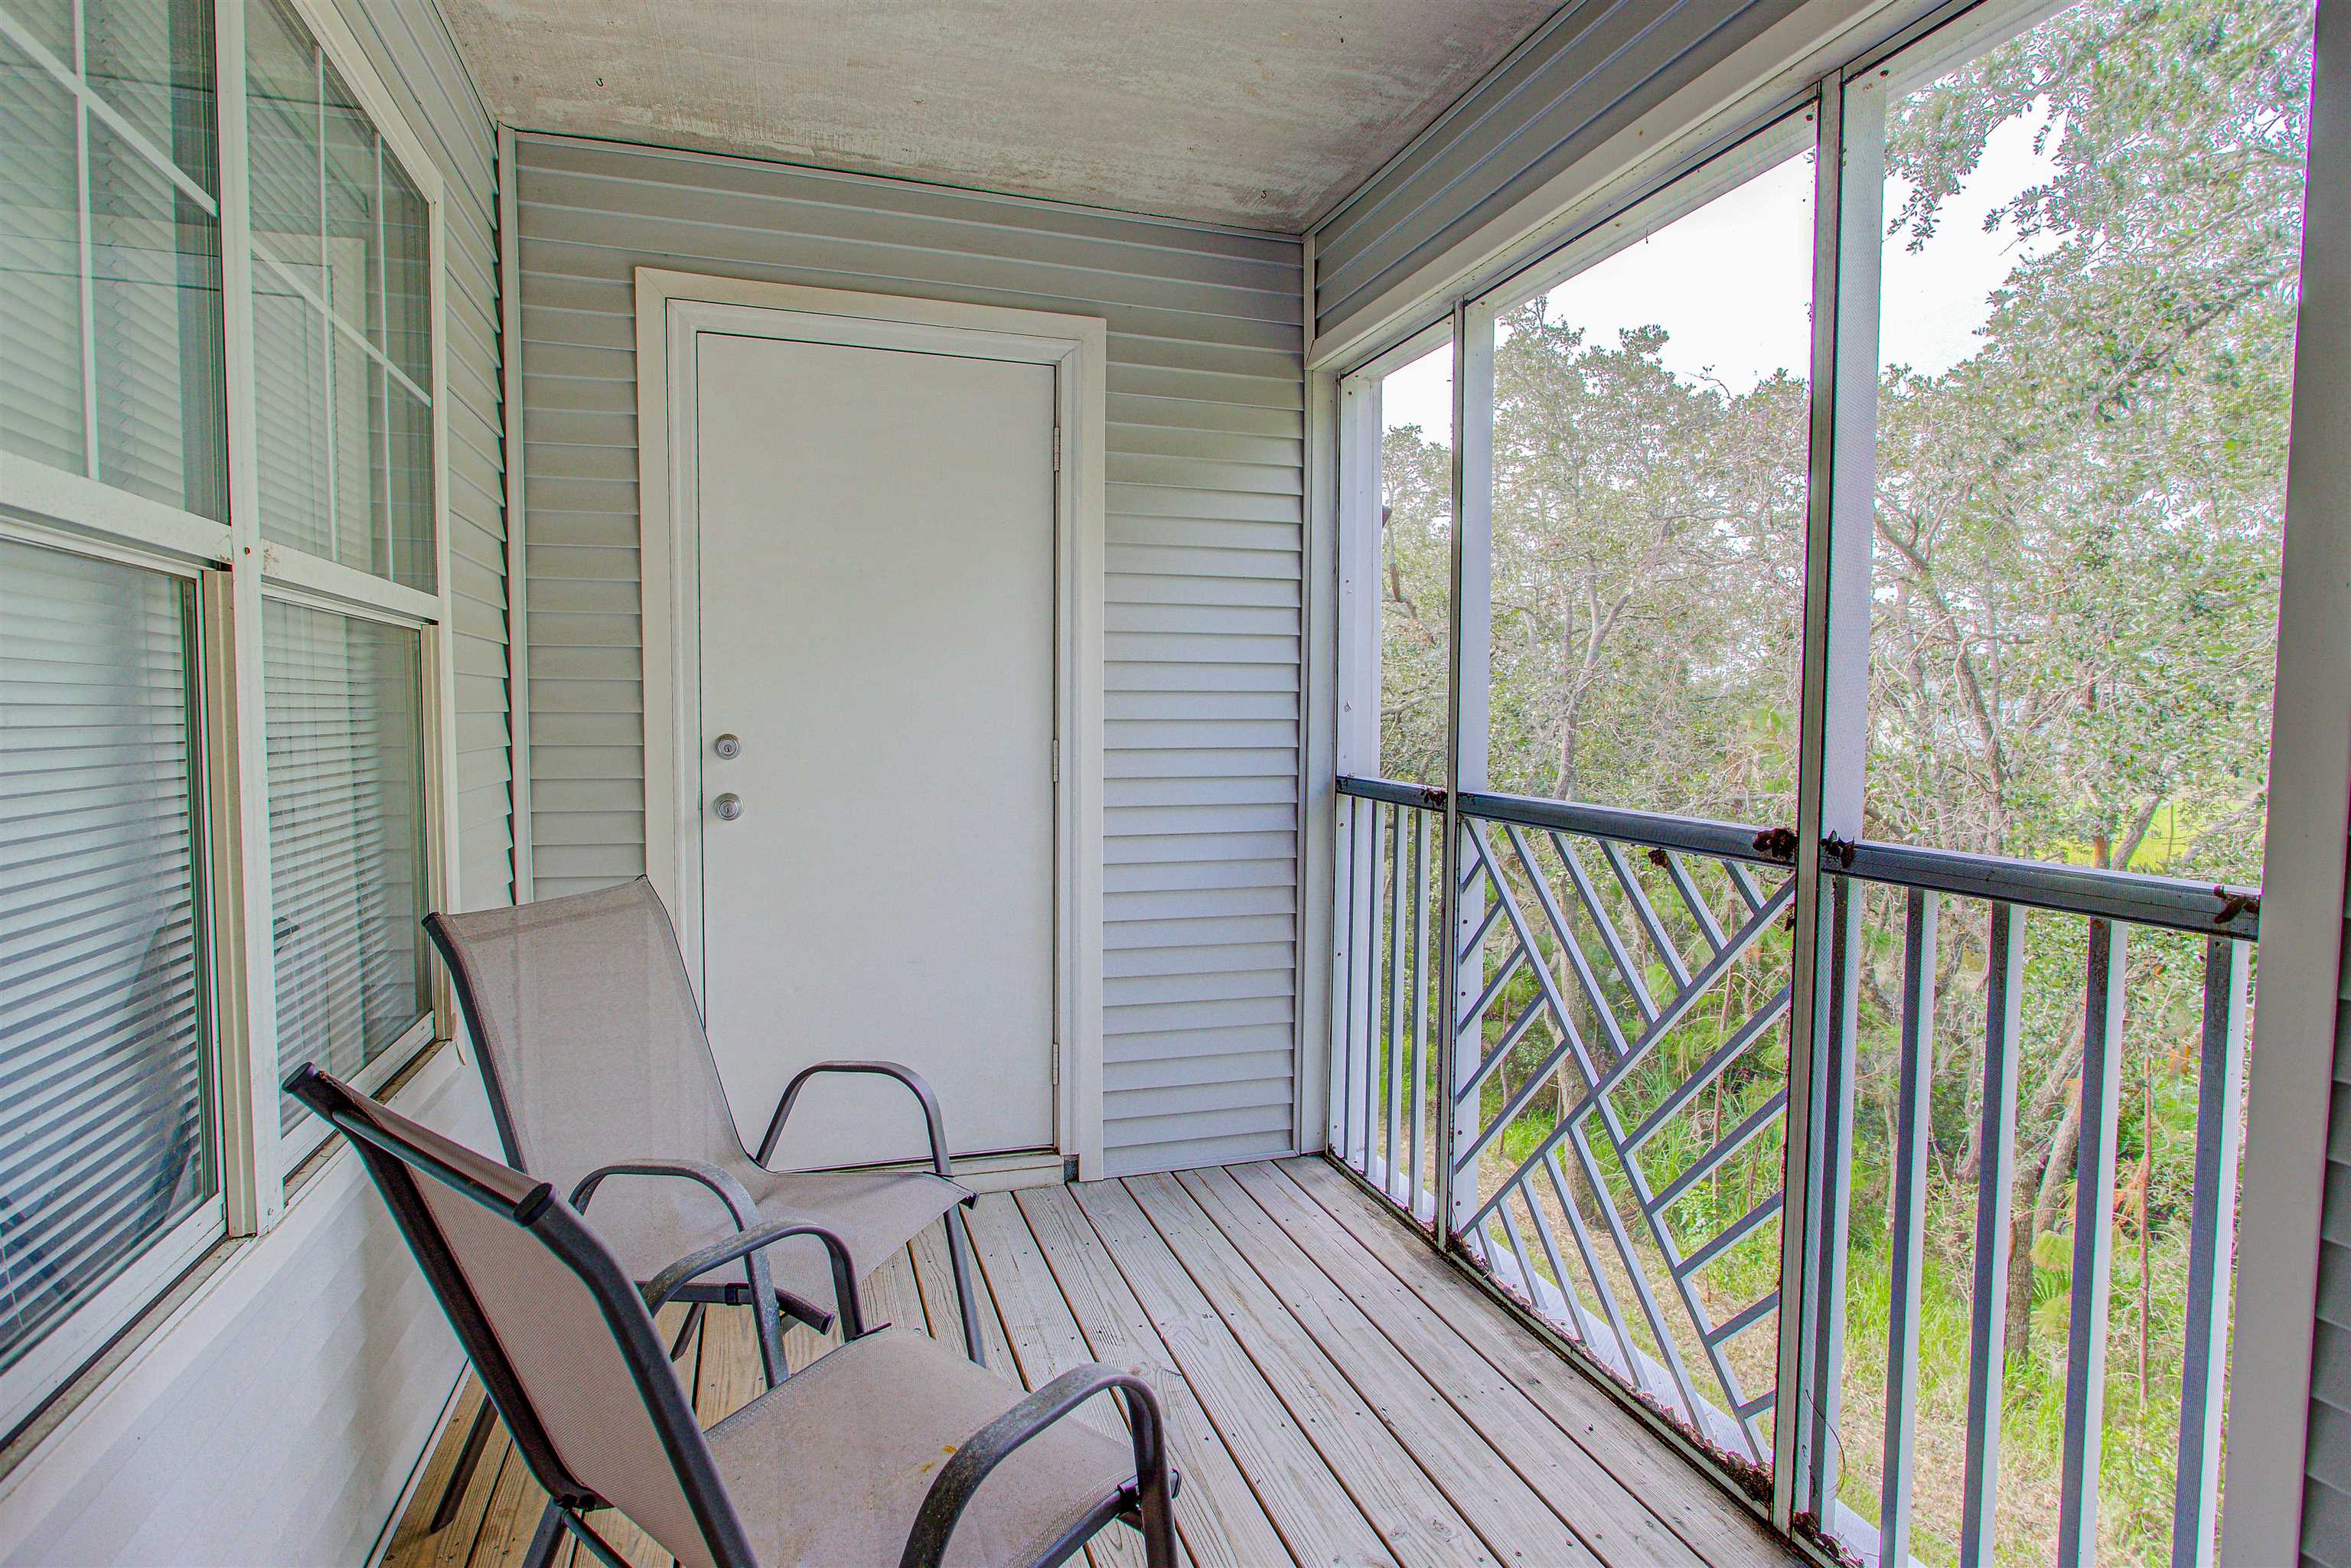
(110, 247)
(106, 1137)
(343, 700)
(124, 892)
(342, 306)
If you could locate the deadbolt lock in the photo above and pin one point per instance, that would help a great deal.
(729, 747)
(728, 806)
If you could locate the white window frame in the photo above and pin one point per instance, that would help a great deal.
(86, 1326)
(233, 570)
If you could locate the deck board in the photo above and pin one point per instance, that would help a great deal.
(1217, 1512)
(1335, 1394)
(1293, 1230)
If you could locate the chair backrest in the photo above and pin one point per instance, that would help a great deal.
(561, 1338)
(592, 1048)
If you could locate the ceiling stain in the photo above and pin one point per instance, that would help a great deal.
(1229, 112)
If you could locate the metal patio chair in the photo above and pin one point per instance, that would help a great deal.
(891, 1447)
(601, 1081)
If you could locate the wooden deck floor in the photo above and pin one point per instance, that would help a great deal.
(1336, 1393)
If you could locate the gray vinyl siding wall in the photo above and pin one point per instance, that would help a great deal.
(410, 46)
(1202, 672)
(2326, 1465)
(1581, 78)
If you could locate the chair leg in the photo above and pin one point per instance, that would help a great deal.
(1158, 1530)
(959, 1260)
(686, 1329)
(543, 1540)
(1155, 1479)
(476, 1439)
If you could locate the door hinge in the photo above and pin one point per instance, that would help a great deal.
(1057, 449)
(1056, 762)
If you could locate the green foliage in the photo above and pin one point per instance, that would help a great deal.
(2077, 534)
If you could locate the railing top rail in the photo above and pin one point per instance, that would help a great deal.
(1429, 797)
(1651, 829)
(2139, 898)
(2135, 897)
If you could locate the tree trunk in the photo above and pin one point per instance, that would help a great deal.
(2056, 1166)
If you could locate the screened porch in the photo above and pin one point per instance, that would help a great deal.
(1586, 761)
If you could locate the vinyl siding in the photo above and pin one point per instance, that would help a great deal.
(289, 1429)
(1202, 634)
(2326, 1464)
(1582, 78)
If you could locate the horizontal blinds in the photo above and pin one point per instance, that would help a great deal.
(104, 1139)
(343, 725)
(41, 414)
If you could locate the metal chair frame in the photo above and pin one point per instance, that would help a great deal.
(627, 1310)
(756, 1285)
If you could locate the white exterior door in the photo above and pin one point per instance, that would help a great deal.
(875, 576)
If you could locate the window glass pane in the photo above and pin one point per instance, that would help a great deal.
(354, 251)
(105, 1134)
(291, 408)
(356, 423)
(344, 396)
(282, 119)
(40, 268)
(408, 485)
(155, 306)
(408, 294)
(1416, 564)
(344, 722)
(146, 318)
(50, 21)
(1649, 482)
(151, 62)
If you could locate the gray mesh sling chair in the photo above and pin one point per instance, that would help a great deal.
(838, 1466)
(601, 1081)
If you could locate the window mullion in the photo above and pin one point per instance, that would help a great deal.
(236, 755)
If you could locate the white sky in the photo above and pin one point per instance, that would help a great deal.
(1731, 282)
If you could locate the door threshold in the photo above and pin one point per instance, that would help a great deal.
(991, 1172)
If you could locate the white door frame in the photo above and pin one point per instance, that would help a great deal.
(673, 308)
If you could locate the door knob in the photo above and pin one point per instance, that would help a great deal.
(729, 747)
(728, 806)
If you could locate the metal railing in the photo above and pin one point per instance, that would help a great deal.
(1600, 1133)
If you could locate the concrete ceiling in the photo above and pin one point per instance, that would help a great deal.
(1254, 112)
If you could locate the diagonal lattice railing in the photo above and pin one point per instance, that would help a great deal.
(1601, 1022)
(1618, 984)
(1575, 1073)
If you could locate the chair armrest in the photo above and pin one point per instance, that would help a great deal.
(905, 1075)
(758, 1238)
(926, 1543)
(731, 1191)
